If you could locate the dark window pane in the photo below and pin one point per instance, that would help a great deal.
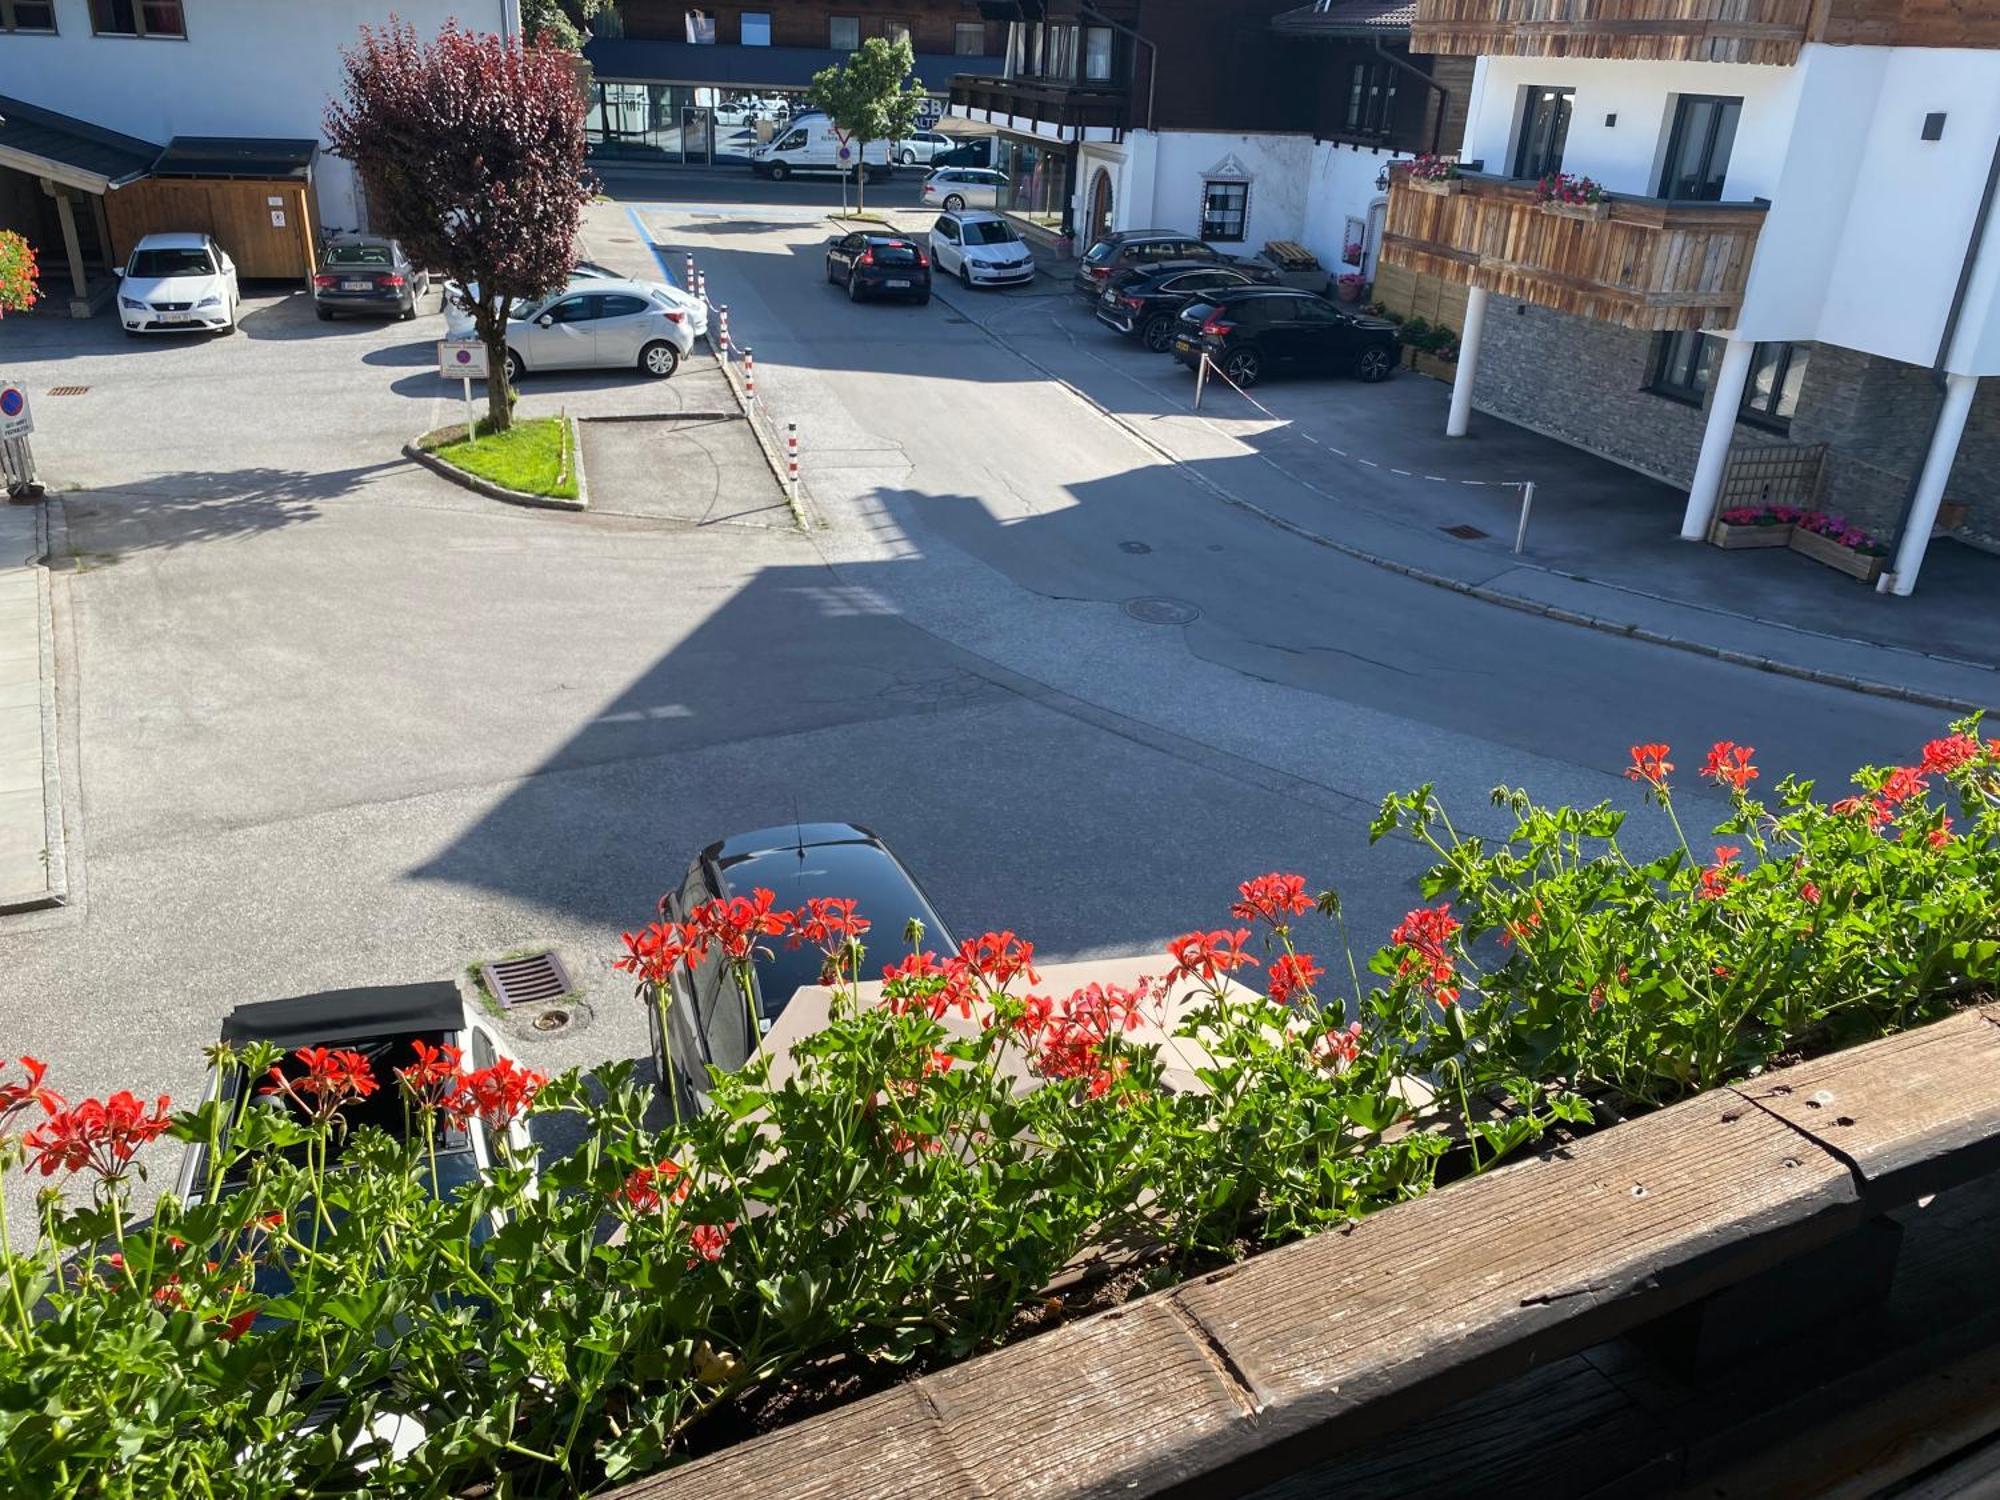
(1682, 363)
(1698, 149)
(114, 17)
(1544, 129)
(163, 18)
(1224, 209)
(34, 15)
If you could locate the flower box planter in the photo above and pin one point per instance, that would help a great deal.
(1426, 363)
(1728, 537)
(1823, 549)
(1599, 210)
(1437, 187)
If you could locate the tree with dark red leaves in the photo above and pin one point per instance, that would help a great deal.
(472, 149)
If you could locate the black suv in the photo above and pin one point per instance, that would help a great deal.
(1136, 249)
(1251, 334)
(1148, 301)
(887, 265)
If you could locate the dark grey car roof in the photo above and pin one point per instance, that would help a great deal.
(339, 1015)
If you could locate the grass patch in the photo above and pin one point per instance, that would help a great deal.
(529, 456)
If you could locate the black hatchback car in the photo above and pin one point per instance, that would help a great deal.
(879, 265)
(1148, 302)
(709, 1021)
(1249, 335)
(1141, 249)
(366, 273)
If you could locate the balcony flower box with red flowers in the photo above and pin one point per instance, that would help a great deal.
(1840, 544)
(1569, 196)
(1436, 175)
(1754, 526)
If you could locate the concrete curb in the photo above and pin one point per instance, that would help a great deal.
(794, 493)
(414, 451)
(55, 865)
(1627, 629)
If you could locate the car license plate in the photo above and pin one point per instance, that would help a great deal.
(1109, 299)
(167, 317)
(894, 284)
(357, 286)
(1184, 346)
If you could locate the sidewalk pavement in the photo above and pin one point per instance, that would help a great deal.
(30, 814)
(1366, 470)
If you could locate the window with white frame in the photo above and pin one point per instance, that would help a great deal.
(1097, 54)
(161, 18)
(968, 38)
(28, 15)
(1225, 210)
(897, 31)
(843, 33)
(756, 28)
(701, 28)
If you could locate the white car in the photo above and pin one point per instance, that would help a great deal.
(953, 188)
(458, 307)
(178, 283)
(922, 147)
(981, 249)
(594, 324)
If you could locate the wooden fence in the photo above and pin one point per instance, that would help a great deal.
(268, 227)
(1775, 474)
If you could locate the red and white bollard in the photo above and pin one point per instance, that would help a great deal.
(723, 337)
(792, 452)
(701, 285)
(749, 376)
(689, 283)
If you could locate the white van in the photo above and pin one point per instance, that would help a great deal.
(809, 144)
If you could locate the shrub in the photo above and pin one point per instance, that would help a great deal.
(320, 1322)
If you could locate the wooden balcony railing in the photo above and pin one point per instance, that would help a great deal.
(1734, 31)
(1647, 264)
(1070, 108)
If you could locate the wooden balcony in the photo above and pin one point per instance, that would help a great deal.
(1648, 264)
(1733, 31)
(1070, 110)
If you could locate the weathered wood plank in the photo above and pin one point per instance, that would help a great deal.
(1740, 31)
(1914, 1113)
(1247, 1375)
(1348, 1335)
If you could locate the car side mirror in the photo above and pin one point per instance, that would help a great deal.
(119, 272)
(546, 320)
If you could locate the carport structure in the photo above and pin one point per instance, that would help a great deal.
(55, 174)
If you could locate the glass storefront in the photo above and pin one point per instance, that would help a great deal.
(1037, 179)
(684, 123)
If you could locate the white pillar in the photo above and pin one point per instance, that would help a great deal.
(1725, 399)
(1468, 363)
(1916, 539)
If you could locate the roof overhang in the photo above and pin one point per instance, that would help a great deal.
(61, 148)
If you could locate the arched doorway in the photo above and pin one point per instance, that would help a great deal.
(1099, 222)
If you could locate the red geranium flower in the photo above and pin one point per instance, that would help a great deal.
(734, 923)
(921, 982)
(1271, 898)
(16, 1097)
(643, 1185)
(1291, 974)
(1904, 783)
(1941, 757)
(1939, 836)
(234, 1328)
(1809, 893)
(708, 1241)
(656, 952)
(332, 1076)
(1426, 933)
(433, 1078)
(99, 1135)
(1728, 764)
(498, 1095)
(1715, 880)
(1208, 956)
(1650, 765)
(999, 958)
(1339, 1047)
(829, 923)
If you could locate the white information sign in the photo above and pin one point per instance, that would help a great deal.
(16, 420)
(460, 359)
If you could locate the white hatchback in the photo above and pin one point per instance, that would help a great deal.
(178, 283)
(953, 188)
(981, 249)
(594, 324)
(922, 146)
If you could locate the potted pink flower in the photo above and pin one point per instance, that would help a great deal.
(1840, 544)
(1754, 526)
(1433, 174)
(1572, 196)
(1348, 288)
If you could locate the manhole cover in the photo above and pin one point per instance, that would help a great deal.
(531, 980)
(1464, 532)
(1137, 549)
(552, 1020)
(1156, 611)
(68, 390)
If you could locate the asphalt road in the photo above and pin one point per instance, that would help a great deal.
(329, 721)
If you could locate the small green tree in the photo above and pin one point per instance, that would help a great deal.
(560, 21)
(873, 96)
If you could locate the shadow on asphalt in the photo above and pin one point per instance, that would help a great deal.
(191, 507)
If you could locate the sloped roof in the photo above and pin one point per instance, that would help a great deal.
(62, 147)
(1358, 18)
(234, 156)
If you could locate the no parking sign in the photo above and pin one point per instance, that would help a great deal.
(16, 421)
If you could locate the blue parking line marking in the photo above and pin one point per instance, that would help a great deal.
(646, 235)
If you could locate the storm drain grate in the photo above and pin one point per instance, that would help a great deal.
(1464, 532)
(534, 980)
(1157, 611)
(69, 390)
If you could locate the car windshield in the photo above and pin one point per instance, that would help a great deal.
(990, 232)
(1099, 253)
(359, 255)
(189, 260)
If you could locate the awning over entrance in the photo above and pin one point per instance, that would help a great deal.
(232, 156)
(70, 151)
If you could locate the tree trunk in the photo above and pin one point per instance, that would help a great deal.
(489, 320)
(860, 175)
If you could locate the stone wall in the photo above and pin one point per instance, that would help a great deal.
(1585, 382)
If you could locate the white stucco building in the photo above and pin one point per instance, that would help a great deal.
(94, 92)
(1798, 249)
